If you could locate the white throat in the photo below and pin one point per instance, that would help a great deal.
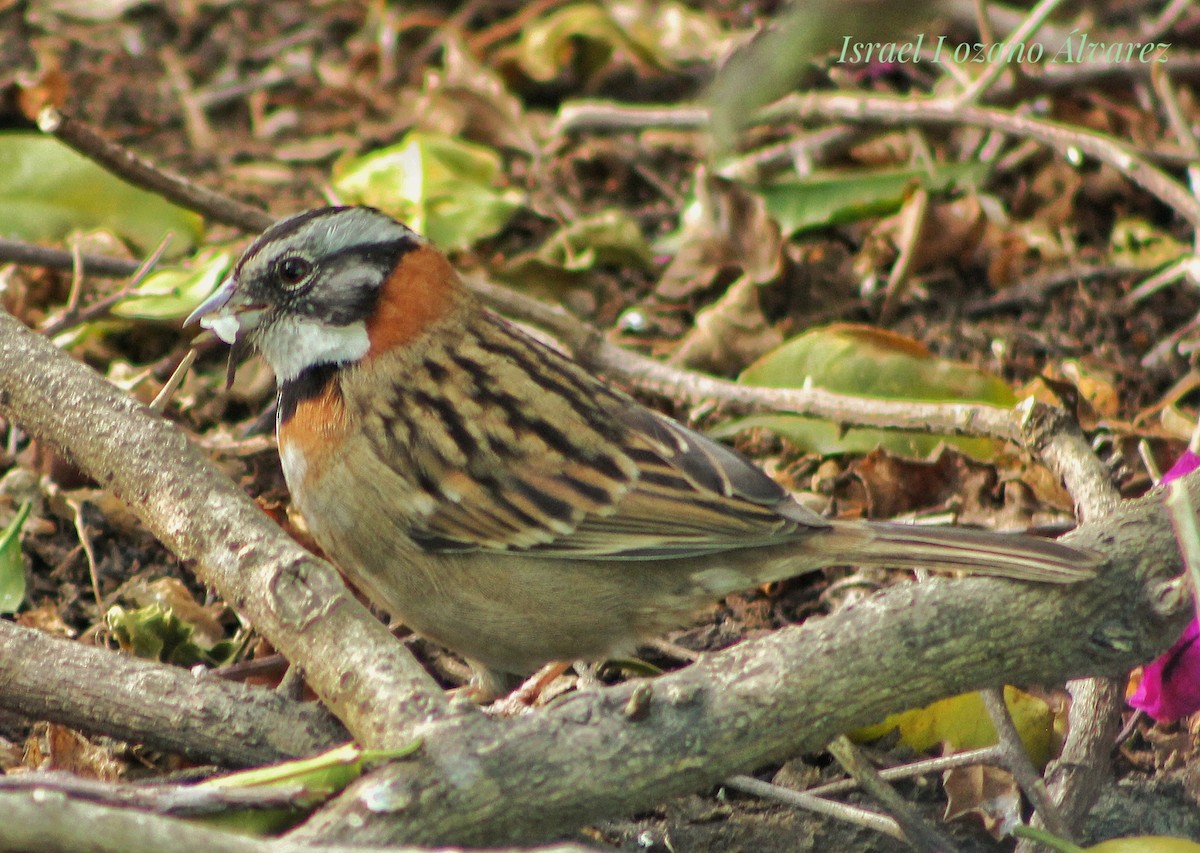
(295, 344)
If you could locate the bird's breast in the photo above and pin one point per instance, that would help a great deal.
(312, 427)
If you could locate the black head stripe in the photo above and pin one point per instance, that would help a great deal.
(344, 299)
(281, 229)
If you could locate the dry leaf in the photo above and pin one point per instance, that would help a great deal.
(54, 747)
(730, 333)
(988, 792)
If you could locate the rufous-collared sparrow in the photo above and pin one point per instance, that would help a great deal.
(492, 493)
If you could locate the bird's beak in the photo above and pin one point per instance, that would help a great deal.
(215, 302)
(230, 318)
(225, 314)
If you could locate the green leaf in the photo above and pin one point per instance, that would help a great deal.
(443, 187)
(169, 294)
(12, 562)
(1137, 243)
(833, 198)
(47, 191)
(321, 775)
(1130, 844)
(317, 779)
(583, 33)
(589, 36)
(868, 362)
(155, 632)
(572, 252)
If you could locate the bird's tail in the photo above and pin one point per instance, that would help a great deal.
(957, 548)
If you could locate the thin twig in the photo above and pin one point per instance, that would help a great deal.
(1161, 25)
(1182, 129)
(912, 223)
(143, 173)
(85, 542)
(1019, 36)
(1187, 532)
(159, 403)
(817, 805)
(992, 755)
(1035, 291)
(74, 317)
(1016, 761)
(200, 133)
(76, 292)
(917, 831)
(607, 116)
(180, 800)
(101, 266)
(1187, 266)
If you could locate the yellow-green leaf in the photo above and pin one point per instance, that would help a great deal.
(156, 632)
(445, 188)
(169, 294)
(867, 362)
(47, 191)
(1146, 844)
(1131, 844)
(963, 722)
(588, 36)
(1137, 243)
(568, 255)
(831, 198)
(314, 780)
(12, 563)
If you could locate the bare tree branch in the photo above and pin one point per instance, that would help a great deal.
(165, 707)
(48, 821)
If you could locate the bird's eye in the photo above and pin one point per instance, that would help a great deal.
(291, 271)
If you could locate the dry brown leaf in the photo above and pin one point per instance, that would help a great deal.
(726, 228)
(951, 233)
(987, 792)
(172, 594)
(54, 747)
(730, 333)
(727, 234)
(463, 97)
(894, 485)
(45, 617)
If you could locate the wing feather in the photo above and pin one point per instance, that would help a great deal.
(576, 469)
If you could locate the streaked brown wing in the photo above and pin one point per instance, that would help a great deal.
(692, 496)
(563, 466)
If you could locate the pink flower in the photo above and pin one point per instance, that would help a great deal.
(1170, 687)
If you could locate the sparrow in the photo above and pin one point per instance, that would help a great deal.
(495, 496)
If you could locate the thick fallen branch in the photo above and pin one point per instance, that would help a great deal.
(48, 821)
(165, 707)
(478, 780)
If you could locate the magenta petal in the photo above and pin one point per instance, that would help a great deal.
(1185, 464)
(1170, 688)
